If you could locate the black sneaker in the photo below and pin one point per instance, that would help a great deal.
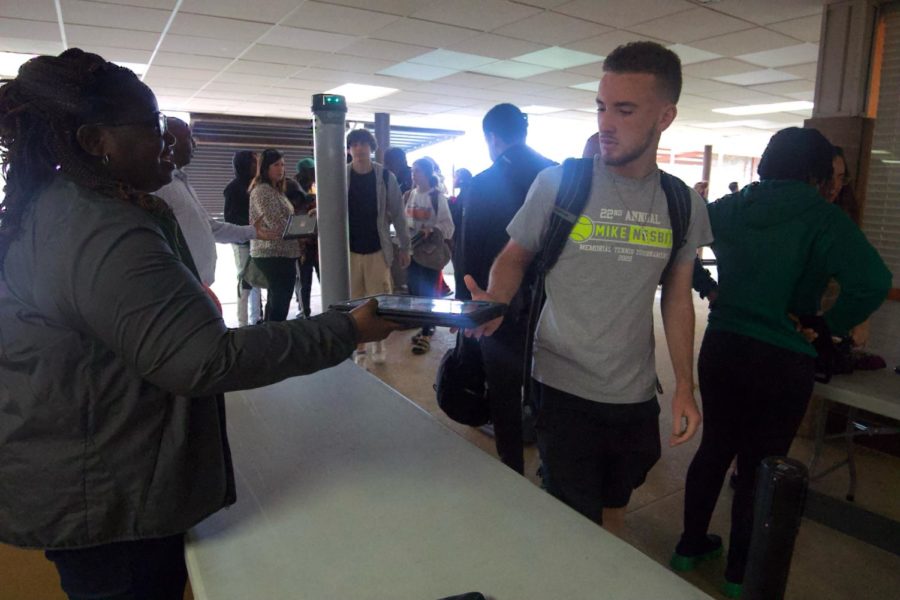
(688, 556)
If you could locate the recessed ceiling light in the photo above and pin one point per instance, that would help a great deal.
(762, 109)
(590, 86)
(537, 109)
(11, 61)
(358, 92)
(558, 58)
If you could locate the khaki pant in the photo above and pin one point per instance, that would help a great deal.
(369, 275)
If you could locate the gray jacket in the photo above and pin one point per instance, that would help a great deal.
(113, 362)
(390, 211)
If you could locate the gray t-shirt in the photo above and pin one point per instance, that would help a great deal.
(595, 335)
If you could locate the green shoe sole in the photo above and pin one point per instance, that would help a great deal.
(732, 590)
(689, 563)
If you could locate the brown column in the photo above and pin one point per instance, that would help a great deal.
(707, 163)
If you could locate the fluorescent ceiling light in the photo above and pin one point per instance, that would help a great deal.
(880, 152)
(452, 60)
(11, 61)
(537, 109)
(890, 162)
(410, 70)
(690, 55)
(357, 92)
(590, 86)
(762, 109)
(511, 69)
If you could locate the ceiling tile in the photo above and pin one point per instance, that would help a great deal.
(558, 78)
(744, 95)
(44, 31)
(588, 86)
(559, 58)
(697, 102)
(717, 68)
(78, 12)
(314, 73)
(694, 85)
(120, 54)
(338, 19)
(352, 64)
(77, 35)
(511, 69)
(552, 29)
(473, 80)
(251, 67)
(690, 25)
(32, 11)
(281, 55)
(770, 11)
(690, 55)
(807, 71)
(180, 74)
(183, 44)
(756, 77)
(270, 11)
(519, 88)
(172, 59)
(257, 81)
(809, 96)
(622, 14)
(482, 15)
(306, 39)
(395, 7)
(423, 33)
(807, 29)
(786, 87)
(605, 43)
(409, 70)
(30, 45)
(783, 57)
(496, 46)
(392, 51)
(217, 27)
(459, 61)
(745, 42)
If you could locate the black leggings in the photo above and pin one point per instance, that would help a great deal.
(281, 273)
(754, 398)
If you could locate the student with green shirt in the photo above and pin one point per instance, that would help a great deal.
(777, 242)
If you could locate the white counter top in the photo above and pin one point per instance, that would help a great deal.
(348, 491)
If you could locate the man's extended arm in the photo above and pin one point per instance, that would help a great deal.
(506, 276)
(678, 321)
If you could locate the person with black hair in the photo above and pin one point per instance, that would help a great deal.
(395, 162)
(309, 248)
(594, 366)
(777, 242)
(488, 205)
(733, 187)
(237, 212)
(374, 203)
(277, 258)
(426, 211)
(115, 360)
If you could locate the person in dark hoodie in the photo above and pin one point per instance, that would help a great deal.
(237, 212)
(777, 242)
(493, 198)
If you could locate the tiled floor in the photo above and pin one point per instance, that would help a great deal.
(826, 564)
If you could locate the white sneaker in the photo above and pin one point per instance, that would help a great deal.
(378, 352)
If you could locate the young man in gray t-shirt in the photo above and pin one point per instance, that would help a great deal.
(594, 365)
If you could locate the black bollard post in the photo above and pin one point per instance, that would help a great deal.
(781, 486)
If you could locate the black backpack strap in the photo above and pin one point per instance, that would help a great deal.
(571, 198)
(678, 199)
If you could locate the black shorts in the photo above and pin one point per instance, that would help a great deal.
(595, 454)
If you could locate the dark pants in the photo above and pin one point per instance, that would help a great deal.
(281, 274)
(142, 570)
(754, 397)
(502, 356)
(306, 275)
(422, 281)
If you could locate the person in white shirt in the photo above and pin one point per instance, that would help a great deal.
(201, 232)
(426, 210)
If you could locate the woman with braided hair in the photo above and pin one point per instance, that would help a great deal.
(114, 359)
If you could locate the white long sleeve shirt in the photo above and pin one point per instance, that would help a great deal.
(200, 230)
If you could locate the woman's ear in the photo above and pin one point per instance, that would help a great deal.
(92, 139)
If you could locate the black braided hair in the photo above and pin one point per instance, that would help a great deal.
(40, 113)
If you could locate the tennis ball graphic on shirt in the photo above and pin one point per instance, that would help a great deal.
(582, 230)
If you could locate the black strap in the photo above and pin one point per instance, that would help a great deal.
(678, 198)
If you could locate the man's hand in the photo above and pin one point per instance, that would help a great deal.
(262, 233)
(686, 417)
(369, 326)
(403, 258)
(479, 294)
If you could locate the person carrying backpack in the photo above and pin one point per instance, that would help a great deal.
(594, 367)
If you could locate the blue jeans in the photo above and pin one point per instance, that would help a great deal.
(151, 569)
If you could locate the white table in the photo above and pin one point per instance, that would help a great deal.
(348, 491)
(874, 391)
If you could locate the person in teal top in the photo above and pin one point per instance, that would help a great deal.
(777, 243)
